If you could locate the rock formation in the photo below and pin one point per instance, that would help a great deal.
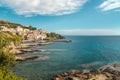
(36, 35)
(109, 72)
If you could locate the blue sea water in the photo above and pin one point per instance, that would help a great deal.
(93, 50)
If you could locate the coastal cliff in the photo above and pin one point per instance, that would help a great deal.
(12, 37)
(28, 32)
(29, 36)
(8, 41)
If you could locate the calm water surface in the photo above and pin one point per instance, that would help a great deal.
(96, 50)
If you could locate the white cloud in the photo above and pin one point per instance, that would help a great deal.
(110, 5)
(90, 32)
(43, 7)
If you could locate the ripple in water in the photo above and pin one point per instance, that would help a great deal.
(83, 52)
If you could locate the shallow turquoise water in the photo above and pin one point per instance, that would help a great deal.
(94, 50)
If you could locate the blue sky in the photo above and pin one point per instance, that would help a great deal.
(69, 17)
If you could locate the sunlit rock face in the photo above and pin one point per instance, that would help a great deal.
(32, 35)
(37, 35)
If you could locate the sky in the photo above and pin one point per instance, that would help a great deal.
(67, 17)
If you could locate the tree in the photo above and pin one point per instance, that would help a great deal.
(53, 35)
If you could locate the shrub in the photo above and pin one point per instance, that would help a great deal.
(6, 74)
(53, 35)
(7, 59)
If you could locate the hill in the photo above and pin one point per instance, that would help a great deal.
(28, 32)
(15, 25)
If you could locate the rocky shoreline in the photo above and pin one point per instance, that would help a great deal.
(62, 40)
(26, 37)
(26, 47)
(31, 58)
(109, 72)
(24, 51)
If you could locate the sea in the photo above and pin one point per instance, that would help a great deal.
(84, 52)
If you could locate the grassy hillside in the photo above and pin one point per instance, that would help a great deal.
(7, 59)
(14, 25)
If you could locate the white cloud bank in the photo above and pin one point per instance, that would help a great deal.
(90, 32)
(110, 5)
(43, 7)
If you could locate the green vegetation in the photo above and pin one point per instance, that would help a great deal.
(0, 27)
(6, 37)
(53, 35)
(30, 27)
(6, 74)
(7, 59)
(14, 25)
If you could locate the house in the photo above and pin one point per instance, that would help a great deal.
(37, 35)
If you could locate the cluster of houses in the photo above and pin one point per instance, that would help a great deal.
(26, 34)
